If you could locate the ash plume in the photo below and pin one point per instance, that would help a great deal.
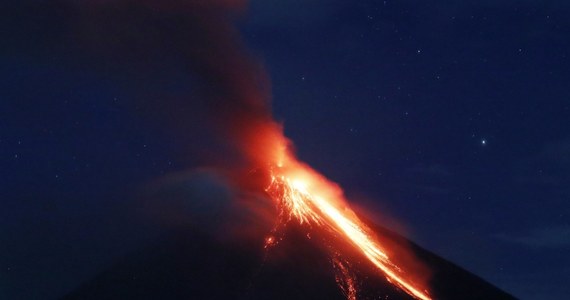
(149, 46)
(231, 87)
(225, 99)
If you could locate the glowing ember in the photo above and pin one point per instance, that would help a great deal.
(306, 196)
(345, 279)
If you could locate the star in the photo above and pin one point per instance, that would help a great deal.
(483, 142)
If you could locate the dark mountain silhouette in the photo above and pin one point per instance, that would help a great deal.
(188, 264)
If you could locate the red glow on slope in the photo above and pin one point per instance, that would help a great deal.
(304, 195)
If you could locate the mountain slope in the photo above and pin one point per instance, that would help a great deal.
(188, 264)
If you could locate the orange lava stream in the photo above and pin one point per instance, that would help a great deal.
(304, 195)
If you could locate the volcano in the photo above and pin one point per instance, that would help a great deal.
(190, 264)
(319, 248)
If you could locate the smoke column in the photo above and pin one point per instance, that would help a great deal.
(201, 36)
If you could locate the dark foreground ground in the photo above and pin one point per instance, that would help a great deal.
(188, 264)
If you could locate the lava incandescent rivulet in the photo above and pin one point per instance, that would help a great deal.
(303, 194)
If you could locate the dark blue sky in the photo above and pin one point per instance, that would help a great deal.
(453, 117)
(450, 117)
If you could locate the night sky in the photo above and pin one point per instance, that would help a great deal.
(447, 120)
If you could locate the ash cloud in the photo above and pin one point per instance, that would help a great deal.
(184, 61)
(224, 99)
(183, 67)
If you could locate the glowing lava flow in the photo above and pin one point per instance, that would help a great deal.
(306, 196)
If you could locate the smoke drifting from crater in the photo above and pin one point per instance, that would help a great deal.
(184, 60)
(231, 87)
